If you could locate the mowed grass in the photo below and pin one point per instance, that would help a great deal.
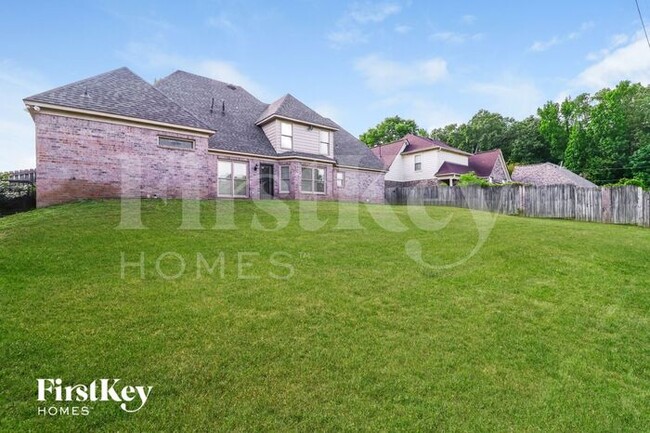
(545, 328)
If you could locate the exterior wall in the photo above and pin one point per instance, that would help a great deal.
(366, 186)
(304, 139)
(402, 169)
(499, 172)
(77, 159)
(413, 183)
(272, 132)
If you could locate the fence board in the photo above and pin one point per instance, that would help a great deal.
(619, 205)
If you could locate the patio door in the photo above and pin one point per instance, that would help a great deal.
(266, 181)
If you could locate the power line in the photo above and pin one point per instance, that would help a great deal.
(642, 22)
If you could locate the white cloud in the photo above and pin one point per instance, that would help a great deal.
(614, 42)
(510, 96)
(350, 27)
(222, 22)
(222, 70)
(540, 46)
(349, 36)
(364, 13)
(384, 75)
(468, 19)
(629, 62)
(402, 28)
(455, 38)
(16, 127)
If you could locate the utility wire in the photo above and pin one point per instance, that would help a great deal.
(642, 22)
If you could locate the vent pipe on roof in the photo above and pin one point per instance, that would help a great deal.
(223, 107)
(212, 106)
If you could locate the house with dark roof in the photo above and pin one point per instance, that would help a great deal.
(116, 135)
(415, 160)
(549, 174)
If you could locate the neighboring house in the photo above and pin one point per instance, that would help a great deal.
(115, 135)
(415, 160)
(549, 174)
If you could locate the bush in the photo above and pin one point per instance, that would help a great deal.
(471, 178)
(15, 197)
(629, 182)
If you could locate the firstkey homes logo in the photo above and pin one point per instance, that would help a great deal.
(75, 399)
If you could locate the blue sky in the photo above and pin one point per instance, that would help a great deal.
(357, 62)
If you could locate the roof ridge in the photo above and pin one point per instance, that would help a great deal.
(80, 81)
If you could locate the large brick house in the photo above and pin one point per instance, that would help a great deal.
(115, 135)
(415, 160)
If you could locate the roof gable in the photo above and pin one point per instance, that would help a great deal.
(483, 163)
(388, 152)
(291, 108)
(122, 93)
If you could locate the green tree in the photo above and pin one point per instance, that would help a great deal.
(554, 129)
(641, 164)
(389, 130)
(528, 144)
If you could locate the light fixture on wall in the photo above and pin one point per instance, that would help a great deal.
(255, 168)
(309, 127)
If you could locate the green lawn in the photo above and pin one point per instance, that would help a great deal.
(546, 328)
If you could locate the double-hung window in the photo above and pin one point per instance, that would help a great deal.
(340, 179)
(313, 180)
(232, 179)
(285, 179)
(286, 135)
(417, 166)
(325, 137)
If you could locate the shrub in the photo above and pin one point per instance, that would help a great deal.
(471, 178)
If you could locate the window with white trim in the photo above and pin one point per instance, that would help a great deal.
(232, 179)
(285, 179)
(325, 142)
(313, 180)
(175, 143)
(417, 166)
(340, 179)
(286, 137)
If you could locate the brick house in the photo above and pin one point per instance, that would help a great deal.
(415, 160)
(115, 135)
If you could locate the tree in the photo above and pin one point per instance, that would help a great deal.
(389, 130)
(553, 129)
(641, 165)
(528, 144)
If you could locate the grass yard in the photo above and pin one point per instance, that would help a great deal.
(546, 328)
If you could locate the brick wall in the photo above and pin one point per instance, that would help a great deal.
(78, 158)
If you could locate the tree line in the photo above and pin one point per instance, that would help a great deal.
(604, 136)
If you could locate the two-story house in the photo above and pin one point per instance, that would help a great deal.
(415, 160)
(115, 135)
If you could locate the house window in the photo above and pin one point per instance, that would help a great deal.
(285, 180)
(286, 140)
(418, 163)
(340, 179)
(175, 143)
(313, 180)
(325, 142)
(233, 179)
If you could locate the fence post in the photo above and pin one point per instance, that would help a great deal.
(639, 206)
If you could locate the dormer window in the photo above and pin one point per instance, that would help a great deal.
(325, 142)
(286, 140)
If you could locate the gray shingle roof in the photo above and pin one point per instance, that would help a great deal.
(548, 174)
(235, 126)
(119, 92)
(237, 129)
(290, 107)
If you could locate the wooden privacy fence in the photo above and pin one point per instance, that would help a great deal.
(617, 205)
